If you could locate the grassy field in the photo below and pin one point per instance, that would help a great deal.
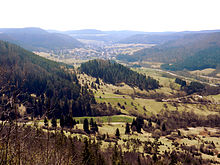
(203, 72)
(121, 96)
(124, 96)
(107, 119)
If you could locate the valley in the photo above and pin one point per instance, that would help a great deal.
(91, 100)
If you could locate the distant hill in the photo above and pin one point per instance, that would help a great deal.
(84, 31)
(112, 72)
(159, 37)
(56, 90)
(184, 48)
(207, 58)
(99, 35)
(38, 39)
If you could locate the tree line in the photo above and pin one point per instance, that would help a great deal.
(41, 85)
(113, 73)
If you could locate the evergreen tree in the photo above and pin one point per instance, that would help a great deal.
(54, 122)
(127, 129)
(91, 122)
(149, 123)
(96, 127)
(3, 118)
(62, 123)
(97, 81)
(164, 127)
(45, 122)
(86, 125)
(112, 72)
(117, 133)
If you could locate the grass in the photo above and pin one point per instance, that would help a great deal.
(215, 97)
(135, 105)
(203, 72)
(107, 119)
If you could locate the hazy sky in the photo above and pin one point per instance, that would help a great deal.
(143, 15)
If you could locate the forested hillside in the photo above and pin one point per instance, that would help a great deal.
(208, 58)
(192, 51)
(180, 49)
(38, 39)
(112, 72)
(151, 38)
(43, 86)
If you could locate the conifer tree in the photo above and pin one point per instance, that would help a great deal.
(91, 122)
(117, 133)
(61, 121)
(45, 122)
(96, 127)
(54, 122)
(86, 125)
(127, 129)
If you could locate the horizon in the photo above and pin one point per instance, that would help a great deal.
(215, 29)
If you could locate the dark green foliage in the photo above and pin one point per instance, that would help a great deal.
(191, 51)
(208, 58)
(45, 122)
(96, 129)
(173, 120)
(112, 72)
(91, 122)
(194, 87)
(93, 126)
(86, 125)
(72, 150)
(97, 81)
(54, 122)
(164, 127)
(179, 49)
(117, 133)
(150, 123)
(127, 58)
(62, 122)
(69, 122)
(127, 129)
(151, 38)
(180, 82)
(23, 73)
(138, 123)
(179, 133)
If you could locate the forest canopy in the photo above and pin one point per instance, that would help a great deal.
(54, 85)
(113, 73)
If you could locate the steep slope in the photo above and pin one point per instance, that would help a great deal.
(112, 72)
(160, 37)
(151, 38)
(43, 86)
(179, 49)
(38, 39)
(183, 50)
(207, 58)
